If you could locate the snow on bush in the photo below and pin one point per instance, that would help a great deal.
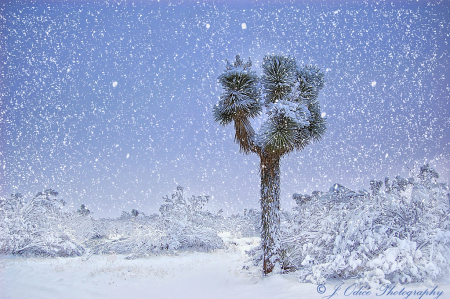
(182, 225)
(38, 227)
(35, 227)
(242, 226)
(400, 234)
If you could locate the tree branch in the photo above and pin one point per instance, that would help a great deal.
(245, 135)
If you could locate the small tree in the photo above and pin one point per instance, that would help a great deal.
(288, 96)
(135, 212)
(83, 211)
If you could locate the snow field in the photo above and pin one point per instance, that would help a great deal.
(223, 273)
(218, 274)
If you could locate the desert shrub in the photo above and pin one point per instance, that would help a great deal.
(239, 225)
(400, 234)
(181, 225)
(35, 227)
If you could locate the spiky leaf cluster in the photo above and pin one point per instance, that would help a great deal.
(294, 116)
(278, 78)
(291, 103)
(311, 81)
(240, 97)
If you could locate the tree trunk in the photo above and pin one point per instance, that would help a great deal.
(270, 208)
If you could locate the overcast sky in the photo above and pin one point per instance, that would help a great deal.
(110, 103)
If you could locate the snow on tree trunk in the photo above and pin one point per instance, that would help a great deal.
(270, 208)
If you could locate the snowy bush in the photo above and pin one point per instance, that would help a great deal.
(38, 227)
(246, 225)
(35, 227)
(83, 211)
(79, 227)
(190, 223)
(400, 234)
(181, 225)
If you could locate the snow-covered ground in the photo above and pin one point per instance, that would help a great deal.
(224, 273)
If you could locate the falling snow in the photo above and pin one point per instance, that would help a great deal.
(110, 104)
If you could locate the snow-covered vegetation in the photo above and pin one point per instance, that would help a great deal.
(39, 228)
(399, 232)
(35, 227)
(288, 95)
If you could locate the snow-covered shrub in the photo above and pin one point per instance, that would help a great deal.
(135, 212)
(83, 211)
(79, 227)
(400, 234)
(35, 227)
(246, 225)
(181, 225)
(189, 225)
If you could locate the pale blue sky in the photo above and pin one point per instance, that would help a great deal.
(110, 103)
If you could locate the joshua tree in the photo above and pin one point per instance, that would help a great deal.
(288, 97)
